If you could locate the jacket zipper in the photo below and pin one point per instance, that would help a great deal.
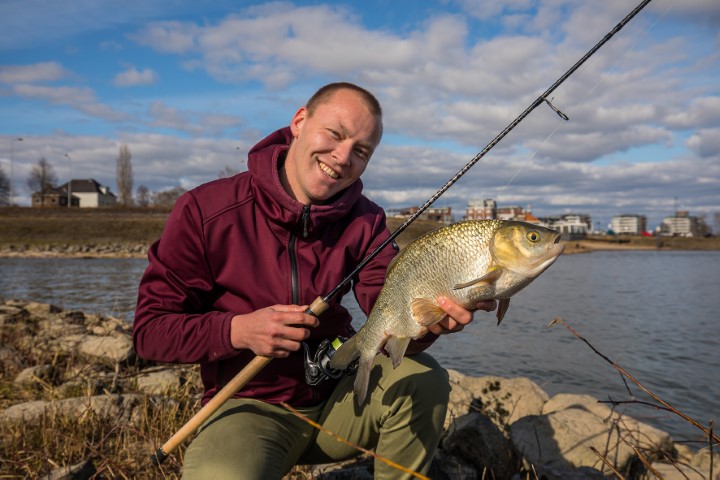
(294, 270)
(293, 259)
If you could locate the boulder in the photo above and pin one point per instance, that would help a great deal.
(478, 442)
(107, 349)
(124, 409)
(159, 382)
(503, 400)
(575, 431)
(36, 374)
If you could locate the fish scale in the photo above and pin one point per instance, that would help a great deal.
(468, 262)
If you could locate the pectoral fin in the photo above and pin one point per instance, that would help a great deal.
(503, 305)
(425, 312)
(487, 279)
(396, 348)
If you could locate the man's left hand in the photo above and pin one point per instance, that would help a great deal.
(457, 316)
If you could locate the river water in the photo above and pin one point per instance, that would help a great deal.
(654, 313)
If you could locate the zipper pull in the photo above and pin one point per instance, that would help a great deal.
(305, 219)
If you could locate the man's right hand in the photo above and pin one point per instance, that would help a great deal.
(273, 331)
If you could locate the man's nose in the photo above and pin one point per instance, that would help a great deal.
(343, 153)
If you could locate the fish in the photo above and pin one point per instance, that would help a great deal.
(468, 262)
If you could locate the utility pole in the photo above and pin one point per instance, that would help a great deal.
(12, 168)
(69, 192)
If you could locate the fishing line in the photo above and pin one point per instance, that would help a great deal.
(562, 116)
(542, 98)
(321, 304)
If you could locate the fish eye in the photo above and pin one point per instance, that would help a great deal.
(533, 236)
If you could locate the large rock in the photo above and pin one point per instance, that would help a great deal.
(159, 382)
(503, 400)
(576, 431)
(476, 440)
(108, 349)
(125, 409)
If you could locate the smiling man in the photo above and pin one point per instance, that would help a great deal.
(238, 262)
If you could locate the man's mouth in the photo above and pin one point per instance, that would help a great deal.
(328, 171)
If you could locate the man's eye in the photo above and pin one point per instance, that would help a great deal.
(362, 153)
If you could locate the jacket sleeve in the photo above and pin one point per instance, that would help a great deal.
(174, 322)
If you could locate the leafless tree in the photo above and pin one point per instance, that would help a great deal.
(4, 189)
(125, 175)
(142, 196)
(42, 179)
(166, 198)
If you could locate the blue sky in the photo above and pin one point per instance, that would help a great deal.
(190, 86)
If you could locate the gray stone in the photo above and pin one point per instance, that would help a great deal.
(108, 349)
(80, 471)
(123, 409)
(503, 400)
(476, 440)
(36, 374)
(160, 382)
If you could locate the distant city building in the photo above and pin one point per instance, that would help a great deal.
(488, 210)
(435, 214)
(83, 193)
(572, 226)
(481, 210)
(629, 224)
(682, 224)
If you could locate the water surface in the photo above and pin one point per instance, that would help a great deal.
(655, 313)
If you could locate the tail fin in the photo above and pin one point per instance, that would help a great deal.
(362, 379)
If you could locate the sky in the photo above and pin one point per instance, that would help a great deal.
(191, 85)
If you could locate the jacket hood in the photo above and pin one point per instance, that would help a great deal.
(264, 161)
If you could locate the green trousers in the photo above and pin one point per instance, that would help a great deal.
(401, 420)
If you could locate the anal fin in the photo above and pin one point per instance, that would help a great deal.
(396, 347)
(503, 305)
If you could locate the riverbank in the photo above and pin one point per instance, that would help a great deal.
(128, 233)
(74, 396)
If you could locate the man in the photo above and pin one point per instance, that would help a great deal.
(231, 277)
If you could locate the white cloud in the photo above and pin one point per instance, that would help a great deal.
(132, 77)
(39, 72)
(80, 98)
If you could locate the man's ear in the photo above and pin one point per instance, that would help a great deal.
(298, 120)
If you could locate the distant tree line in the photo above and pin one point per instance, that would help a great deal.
(43, 180)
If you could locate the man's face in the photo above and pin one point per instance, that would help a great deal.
(331, 148)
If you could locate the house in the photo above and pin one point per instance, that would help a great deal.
(629, 224)
(481, 209)
(54, 197)
(86, 193)
(435, 214)
(572, 226)
(682, 224)
(488, 210)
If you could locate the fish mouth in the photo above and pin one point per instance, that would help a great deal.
(327, 170)
(543, 262)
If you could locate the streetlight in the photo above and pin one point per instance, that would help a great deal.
(12, 168)
(69, 180)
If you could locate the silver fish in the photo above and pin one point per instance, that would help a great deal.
(467, 262)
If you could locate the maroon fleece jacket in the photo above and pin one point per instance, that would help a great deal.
(230, 247)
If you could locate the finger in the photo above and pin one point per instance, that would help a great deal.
(295, 315)
(455, 311)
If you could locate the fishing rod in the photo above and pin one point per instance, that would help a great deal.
(321, 303)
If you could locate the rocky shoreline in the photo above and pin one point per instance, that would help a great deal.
(76, 371)
(120, 250)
